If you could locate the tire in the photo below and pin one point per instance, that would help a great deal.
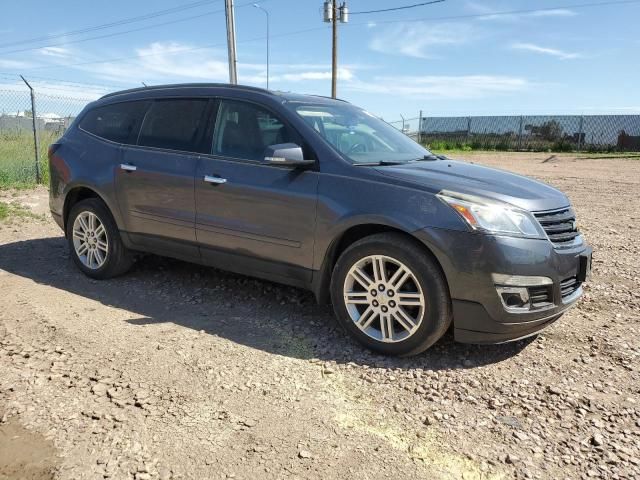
(105, 244)
(419, 312)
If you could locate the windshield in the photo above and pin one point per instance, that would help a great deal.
(359, 136)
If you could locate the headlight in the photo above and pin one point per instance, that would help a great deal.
(493, 216)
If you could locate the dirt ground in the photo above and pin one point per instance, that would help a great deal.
(178, 371)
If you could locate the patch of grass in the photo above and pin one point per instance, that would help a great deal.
(502, 145)
(17, 162)
(15, 210)
(440, 145)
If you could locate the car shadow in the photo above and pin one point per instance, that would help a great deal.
(259, 314)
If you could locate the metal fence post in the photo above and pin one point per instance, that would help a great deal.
(420, 127)
(468, 128)
(580, 132)
(35, 129)
(520, 134)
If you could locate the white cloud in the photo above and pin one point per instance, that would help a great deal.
(420, 39)
(442, 87)
(558, 12)
(163, 61)
(554, 52)
(168, 62)
(344, 74)
(58, 52)
(487, 11)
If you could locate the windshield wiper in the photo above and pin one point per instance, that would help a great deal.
(381, 163)
(430, 158)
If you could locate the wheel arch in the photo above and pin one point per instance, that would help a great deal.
(77, 194)
(322, 280)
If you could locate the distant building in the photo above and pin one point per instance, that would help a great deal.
(628, 142)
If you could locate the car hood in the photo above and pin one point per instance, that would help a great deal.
(463, 177)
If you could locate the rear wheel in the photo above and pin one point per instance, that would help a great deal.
(94, 240)
(390, 295)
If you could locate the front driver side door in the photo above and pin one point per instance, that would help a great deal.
(252, 217)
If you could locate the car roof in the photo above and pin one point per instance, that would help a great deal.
(185, 87)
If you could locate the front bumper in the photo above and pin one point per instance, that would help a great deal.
(470, 259)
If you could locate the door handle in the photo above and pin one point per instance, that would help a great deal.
(128, 168)
(214, 180)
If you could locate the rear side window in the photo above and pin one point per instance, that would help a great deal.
(174, 124)
(119, 122)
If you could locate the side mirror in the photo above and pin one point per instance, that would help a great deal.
(286, 154)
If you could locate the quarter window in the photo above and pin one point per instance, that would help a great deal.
(244, 130)
(118, 122)
(174, 124)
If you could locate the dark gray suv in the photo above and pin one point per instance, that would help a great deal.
(319, 194)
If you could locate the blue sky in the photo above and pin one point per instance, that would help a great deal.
(442, 58)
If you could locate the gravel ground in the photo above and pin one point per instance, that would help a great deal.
(177, 371)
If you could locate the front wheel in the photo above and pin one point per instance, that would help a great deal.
(390, 295)
(94, 240)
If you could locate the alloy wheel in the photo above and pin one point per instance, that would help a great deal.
(90, 240)
(384, 299)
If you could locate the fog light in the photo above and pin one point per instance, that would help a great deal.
(514, 298)
(520, 280)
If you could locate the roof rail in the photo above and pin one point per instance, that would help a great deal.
(329, 98)
(187, 85)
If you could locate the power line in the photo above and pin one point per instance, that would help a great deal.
(297, 32)
(509, 12)
(405, 7)
(115, 34)
(171, 52)
(116, 23)
(124, 32)
(452, 17)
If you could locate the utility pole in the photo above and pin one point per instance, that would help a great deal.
(334, 14)
(334, 51)
(231, 42)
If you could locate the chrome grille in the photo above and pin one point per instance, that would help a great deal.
(560, 225)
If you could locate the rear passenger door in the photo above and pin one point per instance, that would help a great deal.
(155, 180)
(252, 217)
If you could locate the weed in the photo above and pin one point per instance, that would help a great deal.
(15, 210)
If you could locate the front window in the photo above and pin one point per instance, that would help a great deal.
(359, 136)
(245, 130)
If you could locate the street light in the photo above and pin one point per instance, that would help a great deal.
(267, 14)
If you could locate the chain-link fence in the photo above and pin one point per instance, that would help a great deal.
(53, 115)
(408, 126)
(588, 133)
(558, 133)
